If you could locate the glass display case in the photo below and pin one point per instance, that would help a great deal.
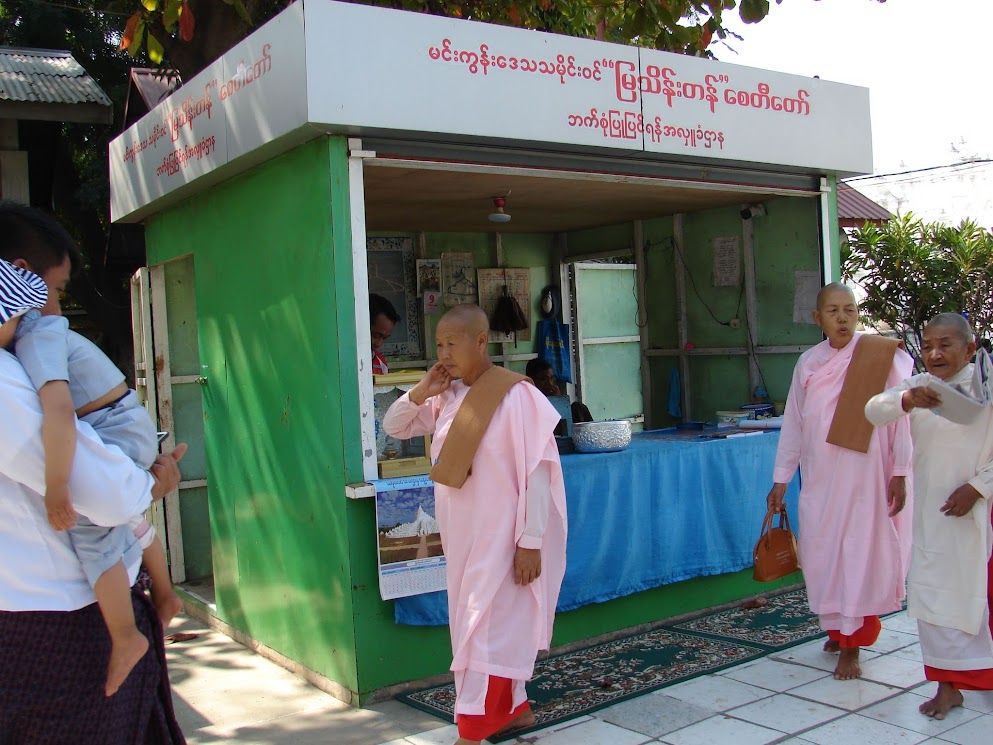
(397, 457)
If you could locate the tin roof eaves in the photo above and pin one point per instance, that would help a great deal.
(46, 76)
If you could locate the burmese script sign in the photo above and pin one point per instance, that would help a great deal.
(248, 97)
(424, 73)
(354, 69)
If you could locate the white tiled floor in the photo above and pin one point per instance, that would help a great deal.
(787, 699)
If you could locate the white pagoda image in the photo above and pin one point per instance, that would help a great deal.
(421, 527)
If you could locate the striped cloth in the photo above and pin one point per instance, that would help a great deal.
(52, 671)
(20, 291)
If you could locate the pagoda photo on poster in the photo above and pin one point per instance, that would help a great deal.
(411, 557)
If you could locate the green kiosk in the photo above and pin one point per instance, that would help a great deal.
(684, 209)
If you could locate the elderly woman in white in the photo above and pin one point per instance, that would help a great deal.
(951, 576)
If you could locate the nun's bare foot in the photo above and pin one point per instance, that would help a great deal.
(848, 665)
(524, 720)
(832, 646)
(944, 701)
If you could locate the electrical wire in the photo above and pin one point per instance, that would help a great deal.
(961, 164)
(741, 291)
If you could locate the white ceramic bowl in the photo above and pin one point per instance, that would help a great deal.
(601, 437)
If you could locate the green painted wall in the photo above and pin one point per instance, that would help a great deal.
(272, 259)
(784, 240)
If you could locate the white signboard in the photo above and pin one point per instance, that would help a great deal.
(354, 69)
(410, 71)
(250, 96)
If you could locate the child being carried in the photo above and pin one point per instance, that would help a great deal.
(74, 378)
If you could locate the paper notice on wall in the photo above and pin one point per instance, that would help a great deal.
(806, 285)
(458, 279)
(432, 303)
(727, 261)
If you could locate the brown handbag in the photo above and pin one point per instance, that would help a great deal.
(776, 552)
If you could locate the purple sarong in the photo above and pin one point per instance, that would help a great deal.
(53, 666)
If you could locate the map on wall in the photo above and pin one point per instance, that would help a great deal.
(392, 275)
(518, 283)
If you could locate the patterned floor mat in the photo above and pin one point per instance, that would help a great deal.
(571, 685)
(785, 621)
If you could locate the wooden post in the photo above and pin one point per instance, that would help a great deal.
(682, 327)
(751, 310)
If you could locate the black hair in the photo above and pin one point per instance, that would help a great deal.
(536, 366)
(35, 236)
(380, 306)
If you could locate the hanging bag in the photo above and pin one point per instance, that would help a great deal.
(775, 553)
(508, 318)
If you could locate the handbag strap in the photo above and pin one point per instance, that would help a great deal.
(784, 523)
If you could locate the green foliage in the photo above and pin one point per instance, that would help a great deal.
(912, 270)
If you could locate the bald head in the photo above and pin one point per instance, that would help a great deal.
(951, 322)
(461, 339)
(469, 318)
(833, 289)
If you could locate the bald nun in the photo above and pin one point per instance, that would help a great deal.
(951, 577)
(500, 504)
(854, 534)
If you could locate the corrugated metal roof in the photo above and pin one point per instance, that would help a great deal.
(46, 76)
(853, 205)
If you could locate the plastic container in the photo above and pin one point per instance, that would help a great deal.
(731, 418)
(759, 411)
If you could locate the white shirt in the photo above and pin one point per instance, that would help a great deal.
(38, 568)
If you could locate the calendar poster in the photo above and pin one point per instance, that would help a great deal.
(411, 559)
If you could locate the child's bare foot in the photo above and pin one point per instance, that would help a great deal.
(944, 701)
(524, 720)
(167, 604)
(848, 665)
(832, 646)
(123, 657)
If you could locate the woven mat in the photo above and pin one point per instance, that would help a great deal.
(571, 685)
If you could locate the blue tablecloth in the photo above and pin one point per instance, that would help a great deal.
(656, 513)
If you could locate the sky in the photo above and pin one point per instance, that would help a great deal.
(926, 63)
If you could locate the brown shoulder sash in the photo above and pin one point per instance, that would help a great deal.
(473, 418)
(866, 376)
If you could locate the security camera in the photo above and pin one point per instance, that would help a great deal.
(754, 210)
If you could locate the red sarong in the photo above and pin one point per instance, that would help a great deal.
(968, 680)
(864, 637)
(499, 699)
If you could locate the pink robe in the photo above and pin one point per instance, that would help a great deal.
(854, 556)
(497, 626)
